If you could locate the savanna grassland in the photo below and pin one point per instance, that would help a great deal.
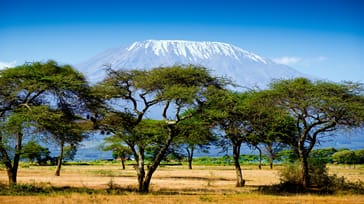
(107, 183)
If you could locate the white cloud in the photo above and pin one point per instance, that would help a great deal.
(7, 64)
(320, 58)
(306, 62)
(286, 60)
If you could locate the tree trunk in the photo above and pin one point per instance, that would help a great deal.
(260, 158)
(303, 155)
(7, 162)
(305, 172)
(59, 160)
(144, 182)
(123, 163)
(12, 172)
(271, 155)
(140, 169)
(190, 157)
(12, 169)
(240, 182)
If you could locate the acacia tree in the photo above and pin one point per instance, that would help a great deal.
(194, 134)
(63, 130)
(34, 151)
(27, 93)
(227, 111)
(119, 149)
(318, 108)
(272, 126)
(132, 93)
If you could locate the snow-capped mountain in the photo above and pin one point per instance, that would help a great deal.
(244, 68)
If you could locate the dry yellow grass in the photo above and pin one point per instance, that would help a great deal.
(175, 199)
(212, 184)
(174, 178)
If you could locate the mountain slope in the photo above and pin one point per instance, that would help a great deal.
(244, 68)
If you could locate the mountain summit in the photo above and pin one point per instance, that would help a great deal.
(242, 67)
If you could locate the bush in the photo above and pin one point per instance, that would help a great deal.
(292, 174)
(345, 157)
(321, 181)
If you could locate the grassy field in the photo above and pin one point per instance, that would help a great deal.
(170, 184)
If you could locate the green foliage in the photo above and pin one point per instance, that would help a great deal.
(33, 151)
(69, 152)
(175, 89)
(42, 97)
(346, 157)
(321, 181)
(287, 156)
(323, 155)
(292, 174)
(116, 144)
(360, 156)
(318, 107)
(227, 160)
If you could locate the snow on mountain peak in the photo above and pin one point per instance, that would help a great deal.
(243, 67)
(194, 50)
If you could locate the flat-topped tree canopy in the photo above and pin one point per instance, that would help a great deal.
(318, 107)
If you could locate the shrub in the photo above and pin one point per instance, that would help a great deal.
(321, 181)
(345, 157)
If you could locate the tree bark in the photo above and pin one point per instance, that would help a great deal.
(303, 156)
(9, 167)
(260, 158)
(12, 169)
(240, 182)
(123, 163)
(190, 157)
(59, 160)
(144, 181)
(140, 169)
(305, 172)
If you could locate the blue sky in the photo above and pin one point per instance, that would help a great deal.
(322, 38)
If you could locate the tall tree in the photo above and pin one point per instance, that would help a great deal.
(227, 111)
(132, 93)
(318, 108)
(272, 126)
(63, 130)
(27, 93)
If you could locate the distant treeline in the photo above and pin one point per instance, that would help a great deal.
(326, 155)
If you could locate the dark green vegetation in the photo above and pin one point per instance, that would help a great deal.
(39, 98)
(46, 101)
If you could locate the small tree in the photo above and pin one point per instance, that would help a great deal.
(64, 130)
(194, 134)
(345, 157)
(323, 155)
(69, 152)
(119, 149)
(34, 151)
(360, 156)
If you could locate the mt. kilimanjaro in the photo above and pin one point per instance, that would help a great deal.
(242, 67)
